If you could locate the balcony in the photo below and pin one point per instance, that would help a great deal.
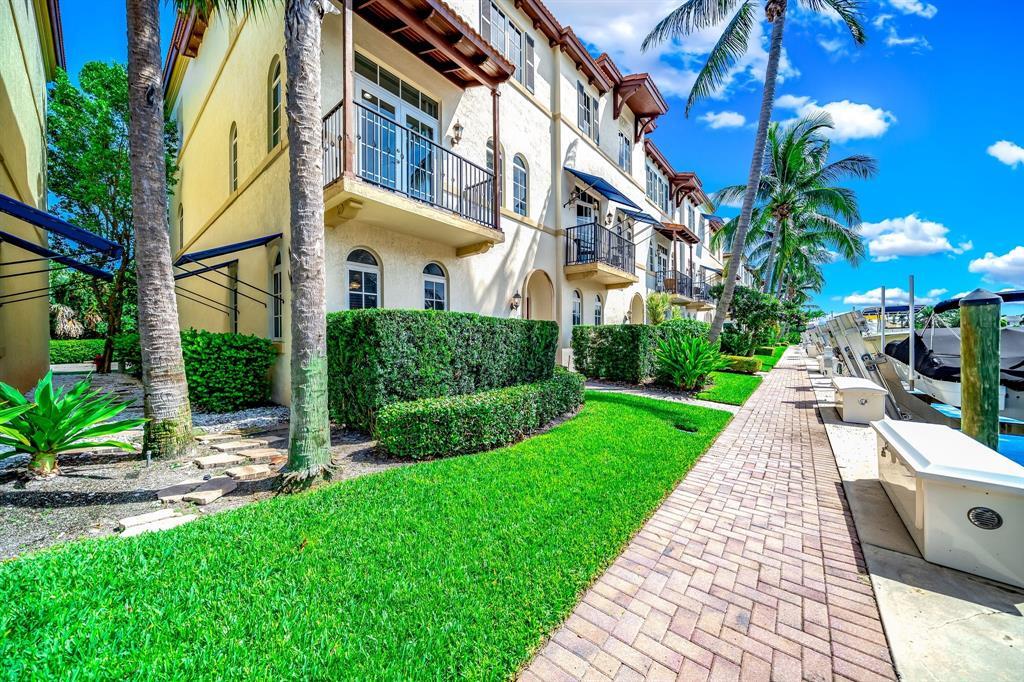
(407, 183)
(701, 293)
(677, 284)
(595, 253)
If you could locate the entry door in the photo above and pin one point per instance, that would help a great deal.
(422, 155)
(379, 151)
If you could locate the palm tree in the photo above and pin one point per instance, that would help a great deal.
(168, 430)
(309, 454)
(696, 15)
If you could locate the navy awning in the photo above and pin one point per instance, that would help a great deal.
(641, 217)
(717, 271)
(51, 223)
(604, 187)
(226, 249)
(68, 261)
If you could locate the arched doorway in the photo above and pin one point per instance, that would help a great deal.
(636, 310)
(540, 297)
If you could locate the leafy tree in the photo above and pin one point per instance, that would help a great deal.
(754, 313)
(698, 15)
(168, 430)
(87, 172)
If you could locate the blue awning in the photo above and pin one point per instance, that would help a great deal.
(51, 223)
(68, 261)
(604, 187)
(642, 217)
(226, 249)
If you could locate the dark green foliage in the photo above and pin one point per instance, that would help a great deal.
(66, 351)
(764, 350)
(687, 326)
(455, 568)
(623, 352)
(742, 365)
(736, 342)
(684, 362)
(225, 371)
(378, 357)
(457, 425)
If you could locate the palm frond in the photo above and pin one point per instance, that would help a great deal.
(692, 15)
(848, 10)
(730, 47)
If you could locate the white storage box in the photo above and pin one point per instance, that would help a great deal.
(962, 502)
(859, 401)
(826, 362)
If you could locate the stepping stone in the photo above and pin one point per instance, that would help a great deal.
(163, 524)
(262, 455)
(235, 445)
(222, 459)
(216, 437)
(142, 519)
(249, 472)
(177, 491)
(212, 490)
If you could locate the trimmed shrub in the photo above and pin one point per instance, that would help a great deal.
(462, 424)
(765, 350)
(622, 352)
(739, 364)
(379, 357)
(225, 371)
(66, 351)
(685, 362)
(687, 326)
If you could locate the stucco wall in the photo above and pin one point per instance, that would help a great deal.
(24, 326)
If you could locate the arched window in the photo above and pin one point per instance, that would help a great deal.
(577, 308)
(274, 104)
(501, 169)
(435, 288)
(598, 310)
(363, 280)
(233, 158)
(277, 300)
(520, 184)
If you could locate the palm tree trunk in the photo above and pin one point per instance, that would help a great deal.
(169, 429)
(754, 178)
(309, 452)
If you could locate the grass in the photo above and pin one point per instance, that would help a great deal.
(769, 361)
(729, 388)
(450, 568)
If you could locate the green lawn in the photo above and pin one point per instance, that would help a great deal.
(729, 388)
(451, 568)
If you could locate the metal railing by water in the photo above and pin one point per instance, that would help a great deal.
(399, 159)
(594, 243)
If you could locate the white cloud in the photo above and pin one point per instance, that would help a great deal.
(893, 295)
(852, 120)
(909, 236)
(1008, 267)
(619, 28)
(881, 20)
(723, 119)
(1007, 152)
(832, 45)
(896, 40)
(915, 7)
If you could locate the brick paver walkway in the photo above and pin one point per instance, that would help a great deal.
(750, 569)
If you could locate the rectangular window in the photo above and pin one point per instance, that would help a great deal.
(509, 40)
(625, 152)
(657, 189)
(433, 295)
(587, 112)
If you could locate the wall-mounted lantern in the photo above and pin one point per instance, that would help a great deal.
(517, 300)
(457, 133)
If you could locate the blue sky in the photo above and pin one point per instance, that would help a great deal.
(930, 96)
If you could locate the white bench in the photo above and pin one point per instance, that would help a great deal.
(963, 503)
(859, 401)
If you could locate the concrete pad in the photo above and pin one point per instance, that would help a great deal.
(947, 625)
(212, 490)
(159, 525)
(150, 517)
(249, 472)
(235, 445)
(217, 437)
(177, 491)
(262, 455)
(218, 460)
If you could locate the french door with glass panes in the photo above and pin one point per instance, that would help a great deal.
(397, 143)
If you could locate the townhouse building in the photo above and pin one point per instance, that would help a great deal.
(476, 158)
(31, 49)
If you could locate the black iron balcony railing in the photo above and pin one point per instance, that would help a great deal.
(674, 282)
(593, 243)
(399, 159)
(701, 290)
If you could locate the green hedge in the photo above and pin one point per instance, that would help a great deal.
(616, 352)
(764, 350)
(741, 364)
(225, 372)
(379, 357)
(456, 425)
(66, 351)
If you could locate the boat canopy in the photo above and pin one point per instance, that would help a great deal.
(937, 355)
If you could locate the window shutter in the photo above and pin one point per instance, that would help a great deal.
(485, 19)
(594, 121)
(530, 63)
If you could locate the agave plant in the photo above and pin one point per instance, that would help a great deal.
(686, 361)
(58, 421)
